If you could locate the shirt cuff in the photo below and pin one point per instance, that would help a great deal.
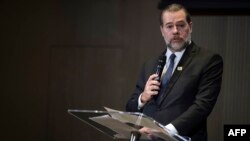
(140, 104)
(171, 129)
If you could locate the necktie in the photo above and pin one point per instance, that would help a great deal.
(166, 78)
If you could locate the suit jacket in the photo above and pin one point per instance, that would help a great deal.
(191, 94)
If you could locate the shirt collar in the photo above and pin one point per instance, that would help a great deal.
(178, 54)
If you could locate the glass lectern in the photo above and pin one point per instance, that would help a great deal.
(123, 125)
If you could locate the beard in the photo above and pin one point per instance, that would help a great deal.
(178, 46)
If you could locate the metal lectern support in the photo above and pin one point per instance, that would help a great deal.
(135, 136)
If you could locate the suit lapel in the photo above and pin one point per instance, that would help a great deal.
(185, 60)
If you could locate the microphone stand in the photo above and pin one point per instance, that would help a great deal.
(135, 136)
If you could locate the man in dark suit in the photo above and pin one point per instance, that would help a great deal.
(189, 95)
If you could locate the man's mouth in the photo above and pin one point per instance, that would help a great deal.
(176, 39)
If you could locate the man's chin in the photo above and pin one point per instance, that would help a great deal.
(177, 46)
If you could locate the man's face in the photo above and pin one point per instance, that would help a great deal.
(175, 30)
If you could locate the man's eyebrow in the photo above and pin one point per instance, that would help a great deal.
(181, 21)
(169, 23)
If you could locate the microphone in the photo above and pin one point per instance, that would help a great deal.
(160, 66)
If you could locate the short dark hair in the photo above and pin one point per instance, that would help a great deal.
(174, 8)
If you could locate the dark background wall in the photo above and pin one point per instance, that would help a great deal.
(59, 55)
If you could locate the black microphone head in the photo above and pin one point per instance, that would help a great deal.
(160, 66)
(162, 60)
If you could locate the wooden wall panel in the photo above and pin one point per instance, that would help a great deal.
(237, 78)
(84, 78)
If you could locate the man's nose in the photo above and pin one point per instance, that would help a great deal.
(175, 30)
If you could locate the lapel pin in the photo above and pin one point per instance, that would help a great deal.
(179, 68)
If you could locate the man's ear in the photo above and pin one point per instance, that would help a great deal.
(191, 27)
(161, 29)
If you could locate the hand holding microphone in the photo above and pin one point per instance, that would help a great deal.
(152, 86)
